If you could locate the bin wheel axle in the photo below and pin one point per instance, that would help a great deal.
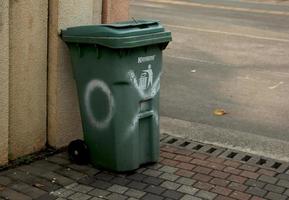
(78, 152)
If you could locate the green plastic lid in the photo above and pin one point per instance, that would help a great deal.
(128, 34)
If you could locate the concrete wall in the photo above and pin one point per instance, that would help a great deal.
(115, 10)
(4, 79)
(28, 77)
(64, 122)
(32, 108)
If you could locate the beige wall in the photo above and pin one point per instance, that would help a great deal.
(27, 100)
(4, 79)
(115, 10)
(28, 77)
(64, 122)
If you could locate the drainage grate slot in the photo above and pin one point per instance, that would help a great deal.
(211, 150)
(198, 147)
(276, 165)
(185, 144)
(171, 141)
(246, 158)
(261, 161)
(232, 155)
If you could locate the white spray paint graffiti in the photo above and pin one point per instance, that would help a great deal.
(146, 78)
(155, 87)
(100, 85)
(92, 86)
(141, 90)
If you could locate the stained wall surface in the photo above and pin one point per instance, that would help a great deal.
(28, 76)
(64, 122)
(115, 10)
(4, 79)
(38, 98)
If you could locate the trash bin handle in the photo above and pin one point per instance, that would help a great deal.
(139, 24)
(145, 114)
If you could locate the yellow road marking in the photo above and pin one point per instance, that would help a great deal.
(229, 33)
(251, 10)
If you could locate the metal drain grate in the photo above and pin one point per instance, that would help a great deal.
(243, 157)
(255, 160)
(192, 145)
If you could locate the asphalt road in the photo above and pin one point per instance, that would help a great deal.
(229, 54)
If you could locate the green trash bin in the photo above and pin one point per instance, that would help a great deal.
(117, 68)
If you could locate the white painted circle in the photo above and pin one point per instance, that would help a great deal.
(92, 86)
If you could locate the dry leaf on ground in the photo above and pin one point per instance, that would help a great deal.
(220, 112)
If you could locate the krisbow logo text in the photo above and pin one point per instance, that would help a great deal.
(145, 59)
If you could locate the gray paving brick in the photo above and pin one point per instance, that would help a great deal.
(155, 166)
(287, 192)
(63, 155)
(255, 183)
(186, 181)
(268, 179)
(283, 183)
(170, 185)
(46, 165)
(189, 197)
(44, 184)
(140, 170)
(206, 195)
(168, 169)
(86, 180)
(31, 179)
(134, 193)
(120, 181)
(16, 174)
(152, 172)
(34, 170)
(276, 196)
(172, 194)
(152, 197)
(104, 176)
(84, 169)
(115, 196)
(98, 192)
(80, 188)
(155, 189)
(283, 176)
(256, 191)
(169, 177)
(5, 180)
(117, 189)
(28, 190)
(153, 180)
(47, 197)
(187, 189)
(58, 160)
(79, 196)
(12, 194)
(57, 178)
(101, 184)
(136, 177)
(62, 192)
(274, 188)
(70, 173)
(71, 185)
(96, 198)
(137, 185)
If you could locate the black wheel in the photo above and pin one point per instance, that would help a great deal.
(78, 152)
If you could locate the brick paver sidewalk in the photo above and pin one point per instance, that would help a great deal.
(181, 174)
